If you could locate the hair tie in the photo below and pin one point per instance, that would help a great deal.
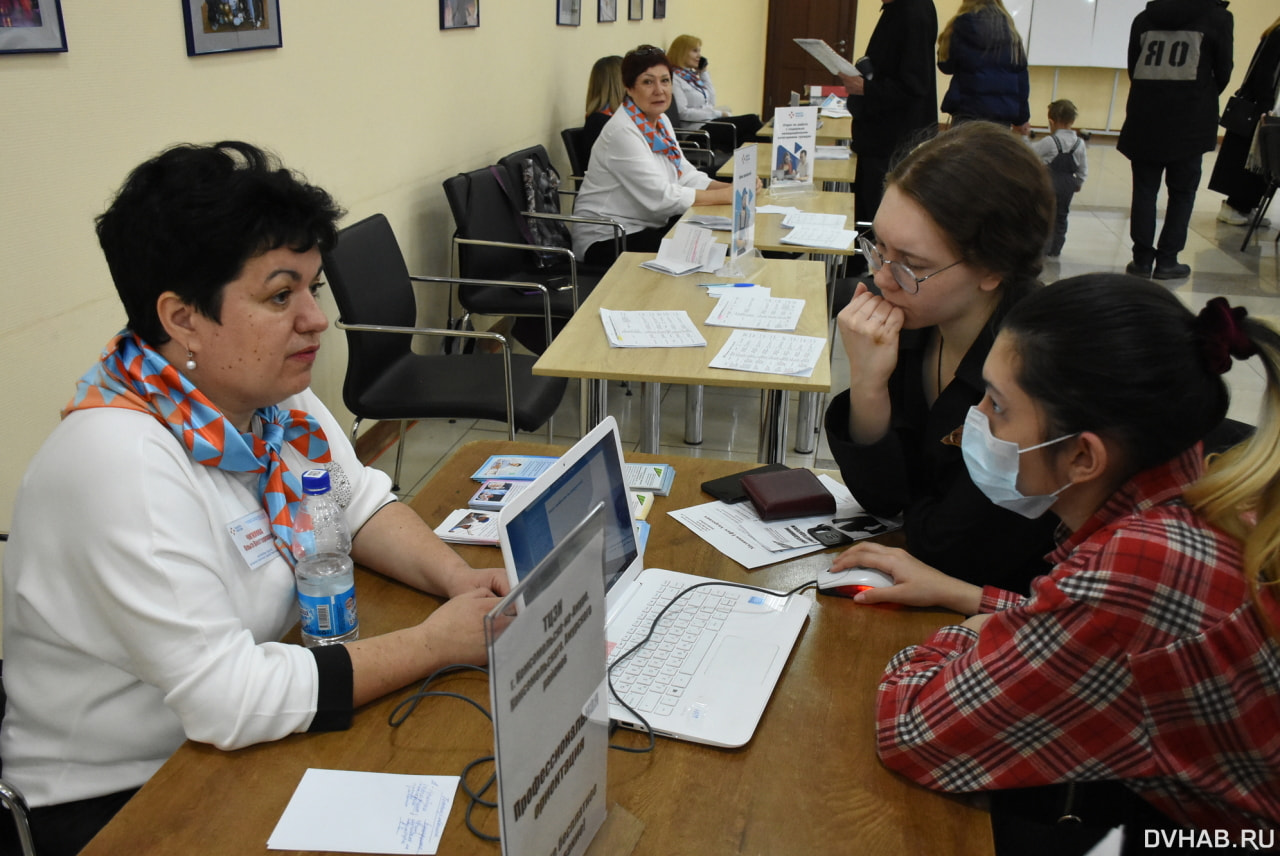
(1222, 335)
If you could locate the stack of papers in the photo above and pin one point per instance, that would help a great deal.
(711, 221)
(757, 313)
(652, 478)
(806, 218)
(770, 353)
(469, 526)
(689, 248)
(822, 237)
(739, 533)
(655, 328)
(830, 152)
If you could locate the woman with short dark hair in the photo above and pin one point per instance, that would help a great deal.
(638, 176)
(1150, 654)
(149, 573)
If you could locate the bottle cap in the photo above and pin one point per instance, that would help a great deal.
(315, 482)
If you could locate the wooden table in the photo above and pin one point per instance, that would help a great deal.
(809, 781)
(581, 349)
(832, 174)
(768, 238)
(832, 132)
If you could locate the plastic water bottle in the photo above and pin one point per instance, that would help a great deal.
(324, 573)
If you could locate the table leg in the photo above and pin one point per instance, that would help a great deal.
(650, 417)
(807, 421)
(694, 402)
(773, 426)
(593, 403)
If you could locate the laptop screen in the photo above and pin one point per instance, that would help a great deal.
(592, 474)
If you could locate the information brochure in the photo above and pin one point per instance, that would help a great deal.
(469, 526)
(825, 54)
(689, 248)
(650, 328)
(794, 140)
(770, 353)
(495, 493)
(757, 313)
(744, 206)
(739, 533)
(339, 811)
(654, 478)
(518, 467)
(547, 690)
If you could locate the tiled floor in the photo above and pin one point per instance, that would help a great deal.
(1097, 240)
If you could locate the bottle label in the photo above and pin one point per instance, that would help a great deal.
(334, 615)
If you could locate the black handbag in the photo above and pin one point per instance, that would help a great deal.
(1240, 116)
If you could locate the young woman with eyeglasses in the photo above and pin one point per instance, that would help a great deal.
(958, 240)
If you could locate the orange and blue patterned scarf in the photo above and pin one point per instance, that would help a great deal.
(134, 376)
(656, 133)
(693, 77)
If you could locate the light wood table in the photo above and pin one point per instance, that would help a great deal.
(581, 349)
(768, 238)
(809, 781)
(832, 132)
(831, 174)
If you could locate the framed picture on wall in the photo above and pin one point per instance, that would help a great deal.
(659, 9)
(459, 14)
(568, 12)
(607, 11)
(219, 26)
(32, 27)
(635, 11)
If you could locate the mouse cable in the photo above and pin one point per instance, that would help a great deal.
(410, 704)
(648, 729)
(405, 709)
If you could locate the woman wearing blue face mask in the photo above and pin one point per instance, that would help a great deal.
(1149, 656)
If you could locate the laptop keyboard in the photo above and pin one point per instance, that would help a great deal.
(653, 679)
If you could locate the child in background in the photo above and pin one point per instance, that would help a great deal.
(1064, 151)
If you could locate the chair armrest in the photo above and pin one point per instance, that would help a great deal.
(733, 131)
(619, 233)
(699, 138)
(526, 286)
(531, 248)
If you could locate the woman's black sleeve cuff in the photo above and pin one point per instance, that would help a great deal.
(334, 700)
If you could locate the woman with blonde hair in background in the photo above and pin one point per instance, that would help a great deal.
(981, 49)
(695, 98)
(604, 95)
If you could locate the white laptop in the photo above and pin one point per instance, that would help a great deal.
(711, 682)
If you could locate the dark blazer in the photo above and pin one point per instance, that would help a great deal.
(591, 129)
(948, 522)
(1179, 62)
(987, 82)
(1260, 86)
(901, 96)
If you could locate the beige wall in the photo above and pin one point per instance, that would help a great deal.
(372, 101)
(1090, 88)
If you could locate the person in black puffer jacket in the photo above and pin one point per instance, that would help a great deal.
(981, 49)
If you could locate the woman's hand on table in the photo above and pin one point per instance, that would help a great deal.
(914, 582)
(454, 633)
(485, 580)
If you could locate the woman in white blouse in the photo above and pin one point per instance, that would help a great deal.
(638, 176)
(695, 97)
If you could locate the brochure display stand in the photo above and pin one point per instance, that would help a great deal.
(744, 261)
(795, 132)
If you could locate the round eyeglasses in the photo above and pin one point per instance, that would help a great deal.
(904, 276)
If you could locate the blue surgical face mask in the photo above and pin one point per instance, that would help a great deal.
(993, 466)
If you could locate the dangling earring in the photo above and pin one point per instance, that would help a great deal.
(191, 362)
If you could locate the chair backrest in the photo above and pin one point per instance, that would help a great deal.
(370, 283)
(483, 211)
(573, 148)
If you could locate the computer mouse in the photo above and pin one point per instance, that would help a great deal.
(849, 582)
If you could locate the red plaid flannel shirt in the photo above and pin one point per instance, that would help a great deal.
(1138, 657)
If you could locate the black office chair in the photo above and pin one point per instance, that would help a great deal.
(1269, 154)
(10, 797)
(696, 143)
(387, 380)
(572, 138)
(493, 241)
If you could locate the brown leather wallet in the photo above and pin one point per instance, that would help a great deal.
(788, 493)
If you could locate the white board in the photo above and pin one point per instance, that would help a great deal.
(1087, 33)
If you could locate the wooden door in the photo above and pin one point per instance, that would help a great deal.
(789, 69)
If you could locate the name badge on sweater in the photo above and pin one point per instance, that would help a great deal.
(253, 539)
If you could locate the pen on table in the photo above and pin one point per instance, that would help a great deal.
(728, 284)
